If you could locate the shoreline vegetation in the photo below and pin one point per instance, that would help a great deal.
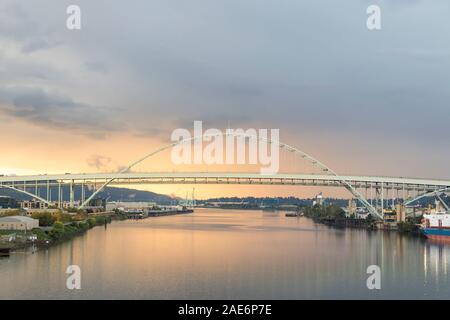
(333, 215)
(57, 227)
(410, 226)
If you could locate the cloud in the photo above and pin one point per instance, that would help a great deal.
(39, 44)
(419, 54)
(96, 66)
(34, 29)
(55, 111)
(308, 71)
(99, 162)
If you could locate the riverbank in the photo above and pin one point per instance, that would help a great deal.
(58, 228)
(347, 223)
(144, 214)
(409, 227)
(50, 235)
(334, 216)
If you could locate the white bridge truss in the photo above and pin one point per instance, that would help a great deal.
(374, 187)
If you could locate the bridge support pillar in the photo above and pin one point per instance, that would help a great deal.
(72, 194)
(48, 191)
(83, 194)
(59, 196)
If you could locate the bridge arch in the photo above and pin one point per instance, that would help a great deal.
(281, 145)
(25, 192)
(426, 194)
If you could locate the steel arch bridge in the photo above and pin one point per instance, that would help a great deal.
(412, 188)
(406, 188)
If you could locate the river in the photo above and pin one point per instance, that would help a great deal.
(230, 254)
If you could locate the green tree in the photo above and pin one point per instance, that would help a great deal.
(65, 217)
(41, 235)
(91, 222)
(334, 212)
(46, 219)
(58, 230)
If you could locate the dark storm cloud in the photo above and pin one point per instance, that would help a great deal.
(290, 65)
(56, 111)
(38, 44)
(30, 25)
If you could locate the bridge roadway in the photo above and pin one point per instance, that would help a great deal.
(134, 178)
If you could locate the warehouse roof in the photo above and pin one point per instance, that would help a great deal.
(17, 219)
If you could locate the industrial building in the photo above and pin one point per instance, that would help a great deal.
(34, 204)
(18, 223)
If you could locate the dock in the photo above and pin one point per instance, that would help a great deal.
(293, 214)
(5, 252)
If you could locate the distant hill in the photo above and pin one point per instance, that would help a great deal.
(275, 201)
(125, 194)
(110, 193)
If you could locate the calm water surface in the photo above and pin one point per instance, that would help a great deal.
(218, 254)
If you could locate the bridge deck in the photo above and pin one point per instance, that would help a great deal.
(208, 177)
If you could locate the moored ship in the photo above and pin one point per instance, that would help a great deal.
(436, 226)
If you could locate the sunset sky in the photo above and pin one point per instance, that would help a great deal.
(96, 99)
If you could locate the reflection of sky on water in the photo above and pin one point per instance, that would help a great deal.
(436, 260)
(231, 255)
